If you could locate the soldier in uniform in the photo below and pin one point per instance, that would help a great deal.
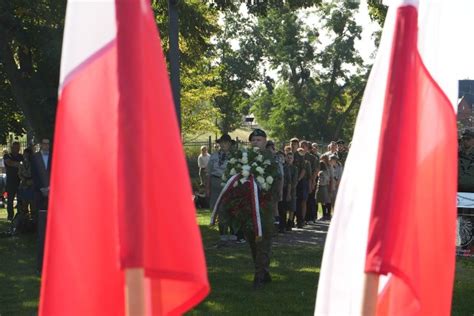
(310, 213)
(261, 249)
(466, 162)
(341, 151)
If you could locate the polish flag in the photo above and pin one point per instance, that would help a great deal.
(122, 236)
(390, 249)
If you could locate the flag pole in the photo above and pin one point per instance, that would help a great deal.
(369, 298)
(135, 292)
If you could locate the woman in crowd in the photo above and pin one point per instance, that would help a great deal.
(25, 190)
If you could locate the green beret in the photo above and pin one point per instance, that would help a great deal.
(257, 132)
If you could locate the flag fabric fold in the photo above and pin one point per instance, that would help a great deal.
(120, 190)
(395, 214)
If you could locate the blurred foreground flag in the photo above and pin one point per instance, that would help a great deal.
(122, 235)
(391, 245)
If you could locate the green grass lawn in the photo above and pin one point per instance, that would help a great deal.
(295, 271)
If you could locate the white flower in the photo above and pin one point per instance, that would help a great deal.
(260, 180)
(244, 159)
(232, 172)
(246, 167)
(245, 173)
(259, 157)
(254, 164)
(265, 186)
(243, 180)
(269, 180)
(267, 162)
(244, 154)
(232, 160)
(260, 170)
(236, 184)
(255, 149)
(223, 177)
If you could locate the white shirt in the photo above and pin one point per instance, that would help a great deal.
(203, 160)
(45, 156)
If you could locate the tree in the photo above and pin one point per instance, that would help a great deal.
(260, 8)
(238, 68)
(197, 111)
(11, 118)
(321, 85)
(281, 113)
(30, 46)
(198, 24)
(377, 11)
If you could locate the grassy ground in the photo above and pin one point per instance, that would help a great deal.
(19, 284)
(295, 271)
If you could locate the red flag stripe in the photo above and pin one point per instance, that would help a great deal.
(81, 274)
(415, 198)
(117, 128)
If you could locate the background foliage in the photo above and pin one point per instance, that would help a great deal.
(236, 59)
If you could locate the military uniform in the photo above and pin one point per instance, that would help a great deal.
(261, 249)
(288, 203)
(302, 188)
(311, 202)
(216, 167)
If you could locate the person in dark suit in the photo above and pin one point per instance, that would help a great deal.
(40, 171)
(12, 163)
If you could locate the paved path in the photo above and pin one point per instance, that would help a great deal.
(311, 234)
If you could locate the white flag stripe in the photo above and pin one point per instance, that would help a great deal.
(439, 25)
(91, 21)
(341, 283)
(346, 244)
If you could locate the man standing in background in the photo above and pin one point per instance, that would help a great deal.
(12, 162)
(40, 171)
(203, 160)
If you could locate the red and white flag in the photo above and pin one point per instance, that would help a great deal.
(120, 191)
(395, 214)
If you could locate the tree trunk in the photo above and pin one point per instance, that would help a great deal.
(23, 85)
(354, 102)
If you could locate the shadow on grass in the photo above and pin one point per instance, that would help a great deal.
(294, 270)
(19, 284)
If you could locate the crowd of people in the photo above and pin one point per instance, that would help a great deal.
(27, 179)
(27, 183)
(307, 178)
